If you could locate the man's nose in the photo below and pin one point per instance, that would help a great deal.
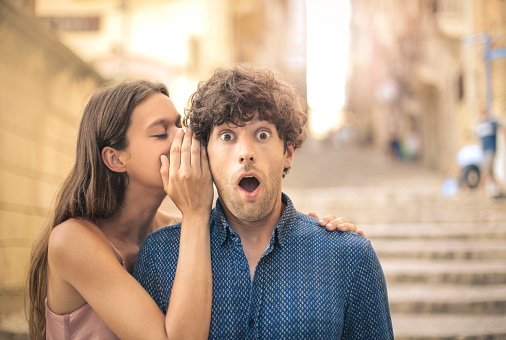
(246, 151)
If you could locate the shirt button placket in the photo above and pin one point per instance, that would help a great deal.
(256, 301)
(242, 264)
(252, 331)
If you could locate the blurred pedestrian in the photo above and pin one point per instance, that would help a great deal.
(487, 132)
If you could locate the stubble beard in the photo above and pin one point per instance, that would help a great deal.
(258, 209)
(254, 211)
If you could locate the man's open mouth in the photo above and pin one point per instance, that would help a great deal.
(249, 183)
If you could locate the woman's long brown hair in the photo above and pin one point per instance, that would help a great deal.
(91, 191)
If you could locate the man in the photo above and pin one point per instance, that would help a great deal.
(276, 273)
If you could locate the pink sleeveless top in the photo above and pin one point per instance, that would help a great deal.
(83, 323)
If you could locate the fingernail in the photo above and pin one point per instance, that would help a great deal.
(320, 221)
(180, 130)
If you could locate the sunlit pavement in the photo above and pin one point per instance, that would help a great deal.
(444, 258)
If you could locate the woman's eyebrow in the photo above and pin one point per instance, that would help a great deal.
(165, 121)
(157, 122)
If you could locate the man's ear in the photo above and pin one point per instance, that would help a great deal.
(112, 159)
(289, 155)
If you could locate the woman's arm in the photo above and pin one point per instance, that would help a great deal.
(82, 266)
(189, 185)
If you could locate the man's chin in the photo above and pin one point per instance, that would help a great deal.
(249, 215)
(249, 210)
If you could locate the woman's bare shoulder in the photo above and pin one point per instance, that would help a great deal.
(74, 228)
(73, 236)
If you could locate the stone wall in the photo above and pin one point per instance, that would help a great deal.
(43, 88)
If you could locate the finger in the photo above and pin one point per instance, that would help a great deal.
(186, 150)
(164, 171)
(322, 222)
(175, 151)
(347, 227)
(332, 219)
(313, 214)
(361, 233)
(204, 162)
(195, 154)
(330, 227)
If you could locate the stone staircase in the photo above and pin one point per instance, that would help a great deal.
(442, 287)
(444, 258)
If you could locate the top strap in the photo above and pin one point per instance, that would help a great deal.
(117, 252)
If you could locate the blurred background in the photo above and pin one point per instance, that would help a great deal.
(394, 90)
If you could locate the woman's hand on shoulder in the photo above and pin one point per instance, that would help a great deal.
(332, 222)
(187, 178)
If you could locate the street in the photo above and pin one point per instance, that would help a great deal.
(444, 258)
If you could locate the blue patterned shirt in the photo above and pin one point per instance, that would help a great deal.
(309, 283)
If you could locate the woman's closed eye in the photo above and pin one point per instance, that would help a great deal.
(161, 136)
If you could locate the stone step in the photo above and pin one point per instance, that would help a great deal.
(459, 272)
(429, 231)
(449, 327)
(14, 327)
(449, 299)
(9, 335)
(483, 249)
(382, 205)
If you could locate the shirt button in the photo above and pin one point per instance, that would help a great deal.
(251, 323)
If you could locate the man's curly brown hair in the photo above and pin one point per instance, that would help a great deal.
(236, 95)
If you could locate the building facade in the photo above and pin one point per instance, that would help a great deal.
(43, 86)
(180, 42)
(419, 75)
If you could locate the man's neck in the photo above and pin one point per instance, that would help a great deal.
(255, 236)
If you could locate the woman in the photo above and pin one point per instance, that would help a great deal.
(80, 268)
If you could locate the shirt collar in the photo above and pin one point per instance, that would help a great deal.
(279, 233)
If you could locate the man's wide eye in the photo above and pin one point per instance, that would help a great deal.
(226, 136)
(263, 135)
